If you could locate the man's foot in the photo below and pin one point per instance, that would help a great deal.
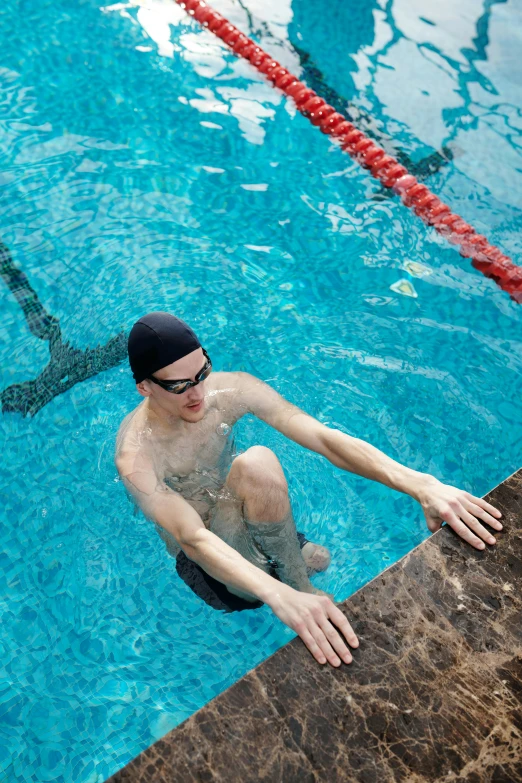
(316, 557)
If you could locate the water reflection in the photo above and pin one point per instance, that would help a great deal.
(442, 78)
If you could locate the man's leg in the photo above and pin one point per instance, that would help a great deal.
(254, 516)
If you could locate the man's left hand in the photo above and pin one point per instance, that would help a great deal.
(461, 511)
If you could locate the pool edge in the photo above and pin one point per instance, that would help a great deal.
(433, 689)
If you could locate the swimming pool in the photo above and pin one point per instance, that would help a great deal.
(145, 168)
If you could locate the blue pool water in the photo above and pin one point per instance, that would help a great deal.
(143, 167)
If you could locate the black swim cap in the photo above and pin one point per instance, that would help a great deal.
(156, 340)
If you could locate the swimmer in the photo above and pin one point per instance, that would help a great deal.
(230, 515)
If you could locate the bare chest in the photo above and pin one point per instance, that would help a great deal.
(204, 449)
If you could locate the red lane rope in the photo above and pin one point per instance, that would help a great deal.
(485, 257)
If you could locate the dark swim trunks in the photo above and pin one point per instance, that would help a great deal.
(214, 593)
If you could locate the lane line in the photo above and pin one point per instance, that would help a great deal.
(67, 366)
(485, 257)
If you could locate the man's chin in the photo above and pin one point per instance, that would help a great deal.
(193, 415)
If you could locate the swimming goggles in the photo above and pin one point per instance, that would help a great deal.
(178, 387)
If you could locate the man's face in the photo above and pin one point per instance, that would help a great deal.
(189, 406)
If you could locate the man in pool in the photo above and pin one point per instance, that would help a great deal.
(230, 517)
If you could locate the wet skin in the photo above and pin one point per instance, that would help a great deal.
(175, 453)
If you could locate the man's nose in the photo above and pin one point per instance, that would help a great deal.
(196, 393)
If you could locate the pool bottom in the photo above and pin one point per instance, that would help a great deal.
(432, 693)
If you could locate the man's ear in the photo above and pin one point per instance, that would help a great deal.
(144, 389)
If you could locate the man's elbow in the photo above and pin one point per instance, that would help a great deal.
(335, 445)
(193, 542)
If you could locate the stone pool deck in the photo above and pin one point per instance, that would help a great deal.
(434, 692)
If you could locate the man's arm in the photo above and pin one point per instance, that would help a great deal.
(440, 502)
(315, 618)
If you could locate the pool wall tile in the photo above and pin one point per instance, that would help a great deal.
(434, 692)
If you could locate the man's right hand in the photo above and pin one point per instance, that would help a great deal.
(319, 623)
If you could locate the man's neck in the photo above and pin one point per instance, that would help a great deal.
(163, 418)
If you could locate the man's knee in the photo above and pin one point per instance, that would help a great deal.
(257, 477)
(259, 466)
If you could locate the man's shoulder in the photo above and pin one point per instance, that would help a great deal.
(126, 438)
(233, 386)
(223, 379)
(233, 380)
(240, 393)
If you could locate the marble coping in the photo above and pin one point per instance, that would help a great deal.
(434, 692)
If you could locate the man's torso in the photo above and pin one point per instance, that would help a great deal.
(190, 458)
